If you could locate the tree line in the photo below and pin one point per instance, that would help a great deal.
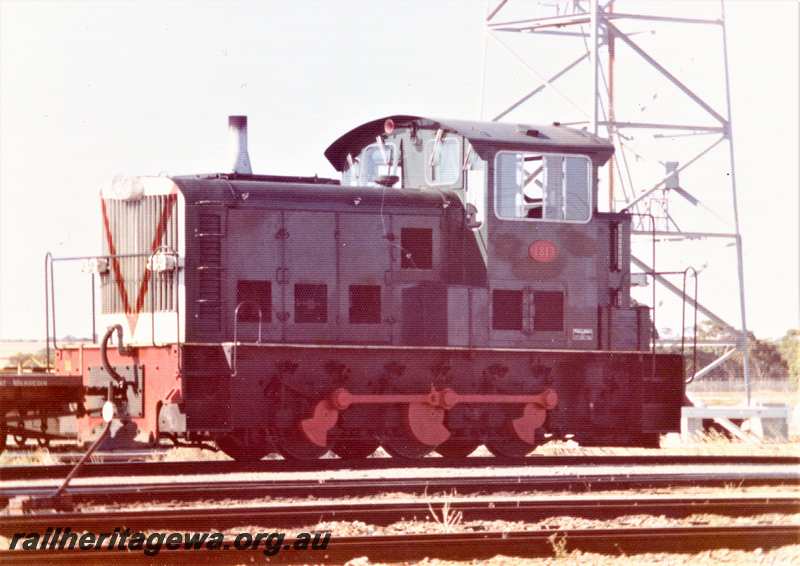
(769, 359)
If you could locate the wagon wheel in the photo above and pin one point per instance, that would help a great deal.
(459, 445)
(293, 445)
(505, 443)
(245, 445)
(20, 439)
(354, 445)
(43, 441)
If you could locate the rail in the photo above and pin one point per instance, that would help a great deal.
(203, 488)
(139, 463)
(522, 508)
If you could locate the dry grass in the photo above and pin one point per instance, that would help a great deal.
(729, 398)
(448, 519)
(191, 454)
(38, 457)
(707, 444)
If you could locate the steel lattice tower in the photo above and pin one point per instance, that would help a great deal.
(603, 42)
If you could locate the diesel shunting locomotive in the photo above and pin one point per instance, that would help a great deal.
(456, 287)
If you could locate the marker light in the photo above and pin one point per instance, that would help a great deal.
(388, 126)
(108, 411)
(124, 188)
(96, 265)
(161, 262)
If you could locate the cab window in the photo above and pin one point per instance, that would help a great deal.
(442, 161)
(543, 186)
(375, 160)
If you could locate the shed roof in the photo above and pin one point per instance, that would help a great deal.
(536, 138)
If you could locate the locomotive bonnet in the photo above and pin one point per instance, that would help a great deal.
(456, 286)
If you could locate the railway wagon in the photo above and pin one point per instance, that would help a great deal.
(457, 286)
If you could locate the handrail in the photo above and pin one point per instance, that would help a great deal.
(48, 268)
(652, 274)
(683, 321)
(50, 298)
(236, 331)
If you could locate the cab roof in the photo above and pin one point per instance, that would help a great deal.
(498, 134)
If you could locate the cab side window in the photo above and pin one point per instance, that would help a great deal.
(442, 161)
(542, 186)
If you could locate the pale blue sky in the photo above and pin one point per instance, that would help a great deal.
(89, 90)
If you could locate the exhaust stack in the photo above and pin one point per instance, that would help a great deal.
(237, 127)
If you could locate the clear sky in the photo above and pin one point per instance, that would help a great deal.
(89, 90)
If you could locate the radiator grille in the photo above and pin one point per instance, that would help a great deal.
(138, 227)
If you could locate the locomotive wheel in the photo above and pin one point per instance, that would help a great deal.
(504, 443)
(459, 445)
(404, 446)
(293, 445)
(419, 431)
(245, 445)
(401, 443)
(356, 446)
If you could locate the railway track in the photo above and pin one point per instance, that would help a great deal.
(384, 513)
(108, 494)
(456, 546)
(117, 469)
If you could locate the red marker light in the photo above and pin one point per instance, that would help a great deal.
(388, 126)
(543, 251)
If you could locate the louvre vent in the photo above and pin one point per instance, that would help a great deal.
(310, 303)
(417, 248)
(254, 300)
(209, 272)
(365, 304)
(549, 313)
(506, 309)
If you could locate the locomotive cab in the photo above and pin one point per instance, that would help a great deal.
(529, 252)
